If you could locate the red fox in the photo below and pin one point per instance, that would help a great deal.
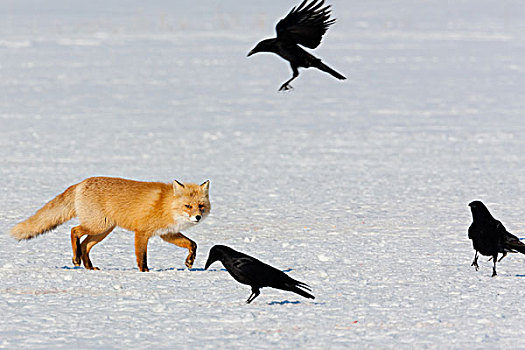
(102, 203)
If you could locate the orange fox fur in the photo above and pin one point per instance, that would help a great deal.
(102, 203)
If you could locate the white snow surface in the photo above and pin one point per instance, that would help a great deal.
(359, 188)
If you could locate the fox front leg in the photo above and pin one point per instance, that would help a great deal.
(184, 242)
(141, 251)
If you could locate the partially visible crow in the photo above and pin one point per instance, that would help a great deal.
(248, 270)
(489, 236)
(304, 25)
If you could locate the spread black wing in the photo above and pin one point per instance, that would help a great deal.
(305, 24)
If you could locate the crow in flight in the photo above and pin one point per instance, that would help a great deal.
(489, 236)
(305, 25)
(248, 270)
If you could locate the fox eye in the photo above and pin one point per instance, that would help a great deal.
(201, 206)
(187, 206)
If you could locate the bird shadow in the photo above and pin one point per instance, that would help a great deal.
(198, 269)
(294, 302)
(284, 302)
(193, 269)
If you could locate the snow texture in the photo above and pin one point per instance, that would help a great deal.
(358, 187)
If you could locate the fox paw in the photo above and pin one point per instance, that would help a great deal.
(189, 262)
(76, 261)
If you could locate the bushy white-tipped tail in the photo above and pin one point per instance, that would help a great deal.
(55, 212)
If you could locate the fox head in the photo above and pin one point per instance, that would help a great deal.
(191, 202)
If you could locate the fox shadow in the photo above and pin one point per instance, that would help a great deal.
(136, 269)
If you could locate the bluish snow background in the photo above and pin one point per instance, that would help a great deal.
(358, 188)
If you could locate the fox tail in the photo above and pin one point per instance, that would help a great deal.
(55, 212)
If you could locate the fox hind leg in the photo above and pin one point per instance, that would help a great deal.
(88, 243)
(76, 233)
(182, 241)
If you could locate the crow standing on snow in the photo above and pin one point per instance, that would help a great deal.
(489, 236)
(304, 25)
(250, 271)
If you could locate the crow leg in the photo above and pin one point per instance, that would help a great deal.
(475, 262)
(495, 257)
(504, 255)
(286, 85)
(255, 294)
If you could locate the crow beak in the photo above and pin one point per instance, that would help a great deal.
(250, 53)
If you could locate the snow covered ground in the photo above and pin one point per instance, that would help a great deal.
(358, 188)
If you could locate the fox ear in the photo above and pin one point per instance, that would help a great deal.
(206, 186)
(177, 187)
